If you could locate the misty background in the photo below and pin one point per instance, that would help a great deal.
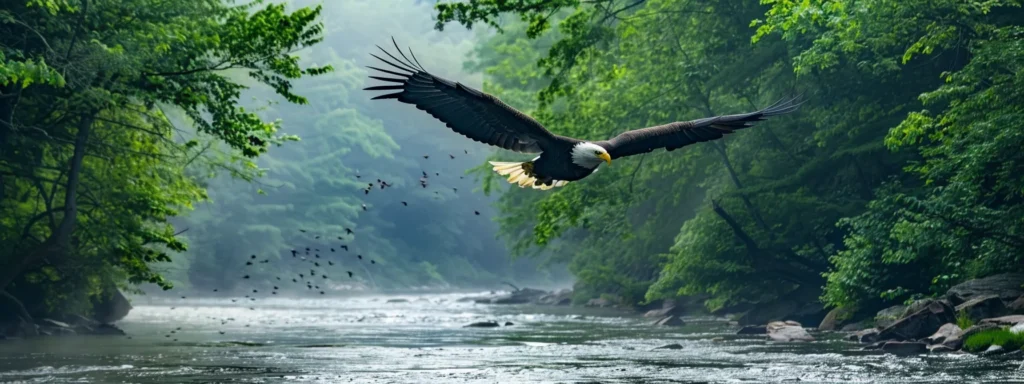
(347, 142)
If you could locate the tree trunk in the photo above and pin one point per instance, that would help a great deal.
(720, 148)
(757, 253)
(18, 306)
(57, 244)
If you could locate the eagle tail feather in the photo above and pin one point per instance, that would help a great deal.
(521, 174)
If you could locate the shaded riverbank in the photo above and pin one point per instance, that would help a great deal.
(367, 339)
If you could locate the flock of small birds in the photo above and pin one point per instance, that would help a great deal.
(319, 266)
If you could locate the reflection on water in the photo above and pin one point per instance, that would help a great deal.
(366, 339)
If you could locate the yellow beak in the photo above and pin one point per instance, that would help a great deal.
(606, 157)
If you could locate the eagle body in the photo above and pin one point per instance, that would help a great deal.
(485, 118)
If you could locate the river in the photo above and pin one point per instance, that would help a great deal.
(367, 340)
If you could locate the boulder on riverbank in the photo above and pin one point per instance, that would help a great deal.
(1006, 286)
(920, 324)
(982, 307)
(836, 318)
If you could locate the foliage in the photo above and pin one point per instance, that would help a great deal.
(892, 181)
(963, 320)
(980, 341)
(91, 167)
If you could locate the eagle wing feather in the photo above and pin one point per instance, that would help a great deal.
(467, 111)
(679, 134)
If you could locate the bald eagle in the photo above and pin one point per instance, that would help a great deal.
(486, 119)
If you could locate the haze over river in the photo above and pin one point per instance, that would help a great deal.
(367, 340)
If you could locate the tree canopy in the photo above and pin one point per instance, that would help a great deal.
(894, 180)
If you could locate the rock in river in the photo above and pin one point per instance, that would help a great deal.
(787, 331)
(948, 333)
(752, 330)
(869, 335)
(483, 324)
(670, 346)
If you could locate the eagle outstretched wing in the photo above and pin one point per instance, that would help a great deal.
(472, 113)
(682, 133)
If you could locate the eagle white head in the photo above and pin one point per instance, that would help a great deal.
(590, 155)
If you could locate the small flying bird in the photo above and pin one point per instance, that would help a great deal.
(245, 277)
(373, 261)
(215, 290)
(317, 237)
(455, 190)
(562, 159)
(183, 297)
(405, 204)
(248, 263)
(324, 276)
(424, 174)
(294, 252)
(476, 213)
(466, 151)
(301, 276)
(302, 230)
(426, 156)
(316, 264)
(253, 257)
(321, 292)
(364, 207)
(307, 249)
(255, 291)
(330, 262)
(360, 257)
(345, 247)
(332, 249)
(222, 332)
(451, 156)
(318, 255)
(347, 230)
(349, 273)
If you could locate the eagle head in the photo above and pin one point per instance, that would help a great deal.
(590, 155)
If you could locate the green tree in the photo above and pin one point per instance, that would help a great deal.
(89, 165)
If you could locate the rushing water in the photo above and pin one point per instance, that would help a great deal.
(367, 340)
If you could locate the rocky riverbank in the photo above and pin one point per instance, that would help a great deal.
(932, 325)
(19, 324)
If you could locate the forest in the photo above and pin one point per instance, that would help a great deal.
(897, 178)
(158, 144)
